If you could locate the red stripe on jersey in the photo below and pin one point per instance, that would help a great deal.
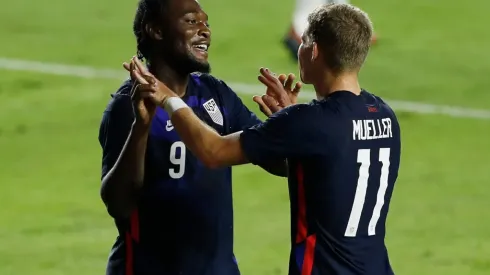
(135, 225)
(309, 255)
(132, 235)
(129, 254)
(302, 229)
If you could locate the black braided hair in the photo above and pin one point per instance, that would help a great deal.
(149, 12)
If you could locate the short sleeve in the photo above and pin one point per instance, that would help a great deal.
(114, 129)
(239, 115)
(288, 133)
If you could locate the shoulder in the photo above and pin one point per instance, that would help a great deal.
(384, 107)
(298, 114)
(121, 99)
(218, 88)
(303, 109)
(208, 79)
(212, 83)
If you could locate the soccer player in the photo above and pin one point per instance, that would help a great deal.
(300, 15)
(174, 215)
(343, 150)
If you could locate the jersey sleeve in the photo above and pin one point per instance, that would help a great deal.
(114, 129)
(239, 115)
(287, 134)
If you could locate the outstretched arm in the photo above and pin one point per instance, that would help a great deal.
(277, 138)
(208, 146)
(241, 118)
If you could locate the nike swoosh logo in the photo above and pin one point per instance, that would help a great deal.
(169, 127)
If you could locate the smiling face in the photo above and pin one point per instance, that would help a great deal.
(186, 37)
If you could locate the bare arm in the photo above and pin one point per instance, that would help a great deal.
(208, 146)
(212, 149)
(123, 136)
(121, 184)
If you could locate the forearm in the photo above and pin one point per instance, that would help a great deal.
(120, 185)
(202, 140)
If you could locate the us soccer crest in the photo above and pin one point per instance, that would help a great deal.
(214, 112)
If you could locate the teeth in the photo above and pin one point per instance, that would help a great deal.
(202, 47)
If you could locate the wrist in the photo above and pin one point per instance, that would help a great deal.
(140, 128)
(173, 104)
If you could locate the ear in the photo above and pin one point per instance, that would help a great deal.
(154, 32)
(314, 52)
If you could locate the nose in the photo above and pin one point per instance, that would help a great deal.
(204, 30)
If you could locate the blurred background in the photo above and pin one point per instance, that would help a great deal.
(60, 60)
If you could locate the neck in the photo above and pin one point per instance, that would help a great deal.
(175, 81)
(329, 84)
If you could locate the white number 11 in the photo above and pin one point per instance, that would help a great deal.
(364, 158)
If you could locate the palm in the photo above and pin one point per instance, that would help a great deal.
(280, 92)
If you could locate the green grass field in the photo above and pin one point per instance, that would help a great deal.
(52, 221)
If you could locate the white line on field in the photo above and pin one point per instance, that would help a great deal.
(90, 72)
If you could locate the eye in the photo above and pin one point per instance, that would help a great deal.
(192, 21)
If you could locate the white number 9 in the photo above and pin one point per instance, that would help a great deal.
(178, 172)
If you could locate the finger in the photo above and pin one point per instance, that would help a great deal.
(141, 68)
(275, 91)
(262, 106)
(266, 82)
(270, 76)
(138, 77)
(271, 90)
(131, 69)
(132, 65)
(139, 89)
(146, 88)
(271, 103)
(127, 67)
(297, 87)
(288, 85)
(282, 78)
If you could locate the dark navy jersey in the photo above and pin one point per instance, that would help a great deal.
(184, 220)
(343, 154)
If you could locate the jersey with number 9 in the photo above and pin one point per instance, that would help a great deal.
(183, 222)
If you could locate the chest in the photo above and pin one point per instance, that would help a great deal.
(169, 160)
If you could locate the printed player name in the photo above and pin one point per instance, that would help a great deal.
(367, 129)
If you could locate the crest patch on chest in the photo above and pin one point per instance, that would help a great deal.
(214, 112)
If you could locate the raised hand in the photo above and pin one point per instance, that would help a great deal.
(280, 92)
(144, 109)
(148, 87)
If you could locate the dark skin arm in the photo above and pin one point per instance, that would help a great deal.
(121, 184)
(213, 150)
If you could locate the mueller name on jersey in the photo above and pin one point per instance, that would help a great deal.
(367, 129)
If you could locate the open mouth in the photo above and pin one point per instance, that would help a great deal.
(201, 47)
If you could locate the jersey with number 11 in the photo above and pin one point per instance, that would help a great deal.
(343, 154)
